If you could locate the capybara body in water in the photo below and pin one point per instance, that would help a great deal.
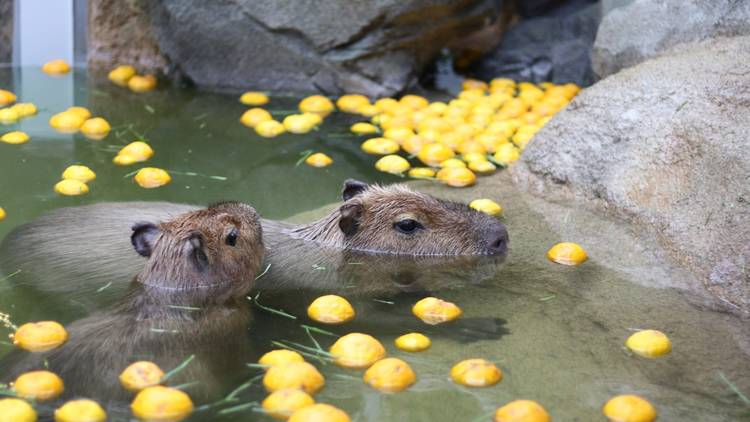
(70, 250)
(187, 300)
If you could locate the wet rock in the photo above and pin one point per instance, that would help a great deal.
(375, 48)
(119, 32)
(663, 145)
(6, 31)
(646, 28)
(555, 46)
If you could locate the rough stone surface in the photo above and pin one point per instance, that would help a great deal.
(120, 33)
(6, 31)
(554, 47)
(375, 47)
(645, 28)
(666, 146)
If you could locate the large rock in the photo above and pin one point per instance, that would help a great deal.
(6, 31)
(119, 32)
(665, 145)
(374, 47)
(553, 47)
(645, 28)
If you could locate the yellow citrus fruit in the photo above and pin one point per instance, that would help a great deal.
(457, 176)
(2, 214)
(140, 83)
(468, 84)
(486, 206)
(482, 167)
(15, 137)
(56, 67)
(269, 129)
(422, 172)
(282, 403)
(69, 187)
(96, 128)
(152, 177)
(394, 164)
(16, 410)
(138, 150)
(319, 160)
(8, 116)
(39, 385)
(24, 109)
(121, 75)
(476, 373)
(299, 375)
(40, 336)
(317, 104)
(255, 116)
(66, 122)
(81, 410)
(319, 413)
(521, 411)
(453, 163)
(357, 350)
(414, 144)
(649, 343)
(253, 98)
(140, 375)
(80, 173)
(380, 146)
(280, 356)
(6, 97)
(390, 375)
(83, 112)
(567, 253)
(363, 128)
(161, 404)
(398, 134)
(413, 342)
(506, 154)
(368, 110)
(433, 154)
(331, 309)
(433, 311)
(629, 408)
(124, 160)
(298, 123)
(352, 103)
(415, 102)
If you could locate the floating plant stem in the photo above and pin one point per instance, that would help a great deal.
(201, 116)
(312, 338)
(257, 366)
(492, 159)
(546, 298)
(186, 385)
(231, 397)
(272, 310)
(104, 287)
(734, 388)
(304, 155)
(387, 302)
(268, 267)
(162, 330)
(179, 368)
(238, 408)
(7, 277)
(302, 352)
(192, 173)
(149, 108)
(319, 330)
(184, 308)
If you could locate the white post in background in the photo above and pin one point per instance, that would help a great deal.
(45, 30)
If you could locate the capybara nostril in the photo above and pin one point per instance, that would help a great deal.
(497, 240)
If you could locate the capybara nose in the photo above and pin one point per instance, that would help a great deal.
(497, 240)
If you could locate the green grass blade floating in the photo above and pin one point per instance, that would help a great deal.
(177, 370)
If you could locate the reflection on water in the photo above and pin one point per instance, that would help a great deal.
(556, 332)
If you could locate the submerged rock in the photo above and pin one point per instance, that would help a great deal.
(663, 145)
(374, 48)
(646, 28)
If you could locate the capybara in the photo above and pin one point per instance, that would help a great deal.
(187, 300)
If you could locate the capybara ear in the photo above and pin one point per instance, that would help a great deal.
(350, 216)
(143, 237)
(353, 188)
(199, 255)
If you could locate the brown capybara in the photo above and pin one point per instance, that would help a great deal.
(70, 250)
(187, 300)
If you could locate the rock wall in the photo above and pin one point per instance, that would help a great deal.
(119, 32)
(6, 31)
(666, 146)
(645, 28)
(377, 47)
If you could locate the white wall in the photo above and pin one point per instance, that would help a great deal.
(44, 31)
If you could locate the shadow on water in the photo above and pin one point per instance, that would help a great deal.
(556, 332)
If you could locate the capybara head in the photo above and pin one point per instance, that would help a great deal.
(397, 220)
(217, 250)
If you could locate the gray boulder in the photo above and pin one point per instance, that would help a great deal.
(376, 47)
(643, 29)
(666, 146)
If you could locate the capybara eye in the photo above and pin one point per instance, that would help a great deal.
(408, 226)
(231, 239)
